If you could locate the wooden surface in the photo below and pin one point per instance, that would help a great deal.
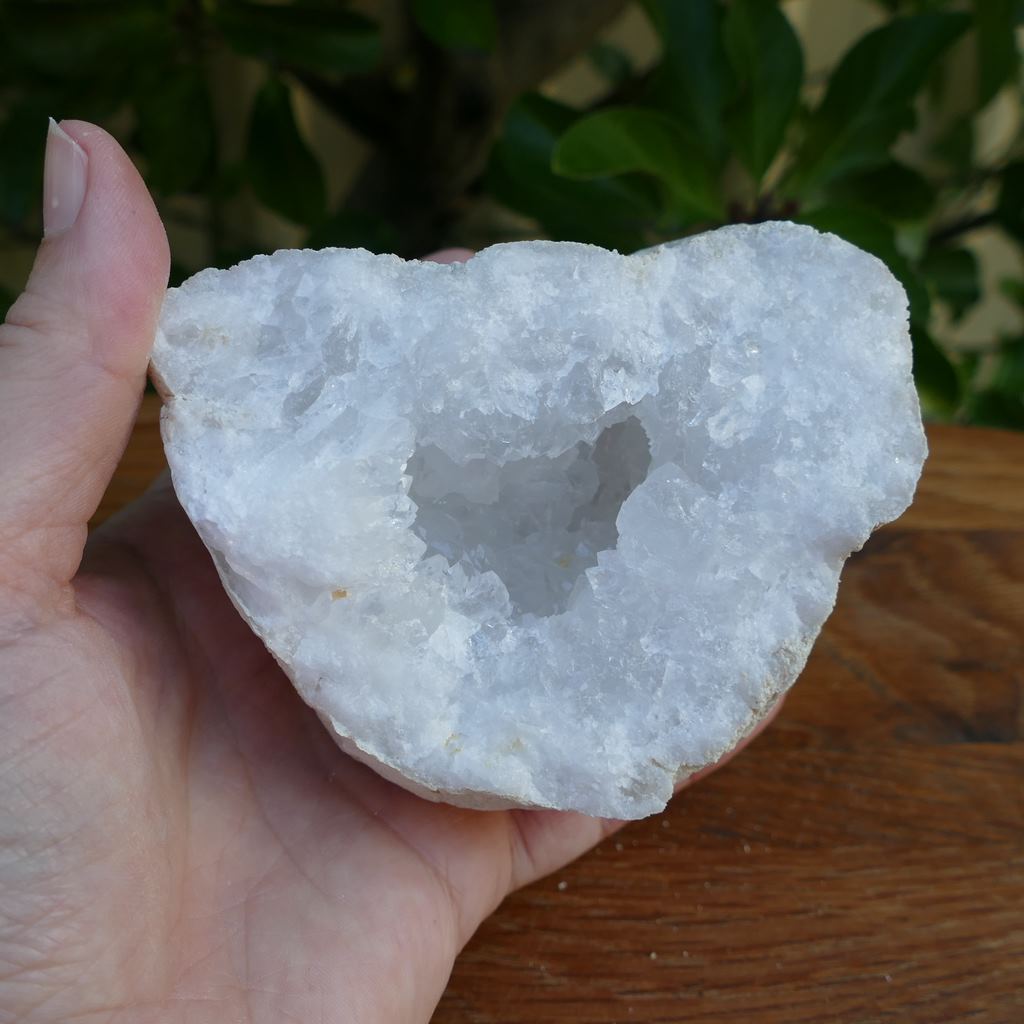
(863, 861)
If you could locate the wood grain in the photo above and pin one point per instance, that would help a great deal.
(974, 479)
(142, 462)
(863, 861)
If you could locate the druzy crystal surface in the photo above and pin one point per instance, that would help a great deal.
(554, 527)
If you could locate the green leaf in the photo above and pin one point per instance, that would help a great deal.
(869, 98)
(312, 36)
(620, 140)
(235, 252)
(179, 273)
(936, 378)
(1008, 373)
(613, 213)
(228, 180)
(458, 24)
(68, 39)
(970, 364)
(282, 170)
(611, 62)
(995, 23)
(893, 191)
(877, 237)
(955, 146)
(768, 66)
(350, 229)
(22, 144)
(7, 298)
(1010, 208)
(992, 408)
(693, 81)
(176, 130)
(1013, 289)
(955, 276)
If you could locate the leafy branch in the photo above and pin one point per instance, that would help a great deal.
(466, 144)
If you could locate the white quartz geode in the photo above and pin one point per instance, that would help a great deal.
(554, 527)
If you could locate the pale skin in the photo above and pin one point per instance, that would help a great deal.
(180, 840)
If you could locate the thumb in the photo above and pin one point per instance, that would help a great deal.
(73, 355)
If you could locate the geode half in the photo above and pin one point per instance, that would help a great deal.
(554, 527)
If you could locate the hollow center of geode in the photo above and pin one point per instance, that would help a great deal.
(537, 523)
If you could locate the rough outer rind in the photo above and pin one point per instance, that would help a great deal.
(770, 368)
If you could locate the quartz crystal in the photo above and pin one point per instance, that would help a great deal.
(554, 527)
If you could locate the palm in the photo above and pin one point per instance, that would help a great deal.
(248, 859)
(181, 839)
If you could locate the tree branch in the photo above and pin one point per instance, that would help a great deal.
(434, 139)
(631, 91)
(539, 36)
(369, 104)
(944, 233)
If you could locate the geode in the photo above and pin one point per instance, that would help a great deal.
(554, 527)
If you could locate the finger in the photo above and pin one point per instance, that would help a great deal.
(450, 256)
(73, 352)
(544, 841)
(742, 745)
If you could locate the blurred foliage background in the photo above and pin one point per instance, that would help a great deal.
(405, 125)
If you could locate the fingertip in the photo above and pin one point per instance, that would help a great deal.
(75, 344)
(457, 255)
(756, 731)
(118, 243)
(64, 181)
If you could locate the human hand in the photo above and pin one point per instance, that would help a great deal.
(180, 840)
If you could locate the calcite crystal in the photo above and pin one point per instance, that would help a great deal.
(554, 527)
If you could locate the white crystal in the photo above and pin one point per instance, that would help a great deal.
(554, 527)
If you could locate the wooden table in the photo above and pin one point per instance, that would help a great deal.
(864, 860)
